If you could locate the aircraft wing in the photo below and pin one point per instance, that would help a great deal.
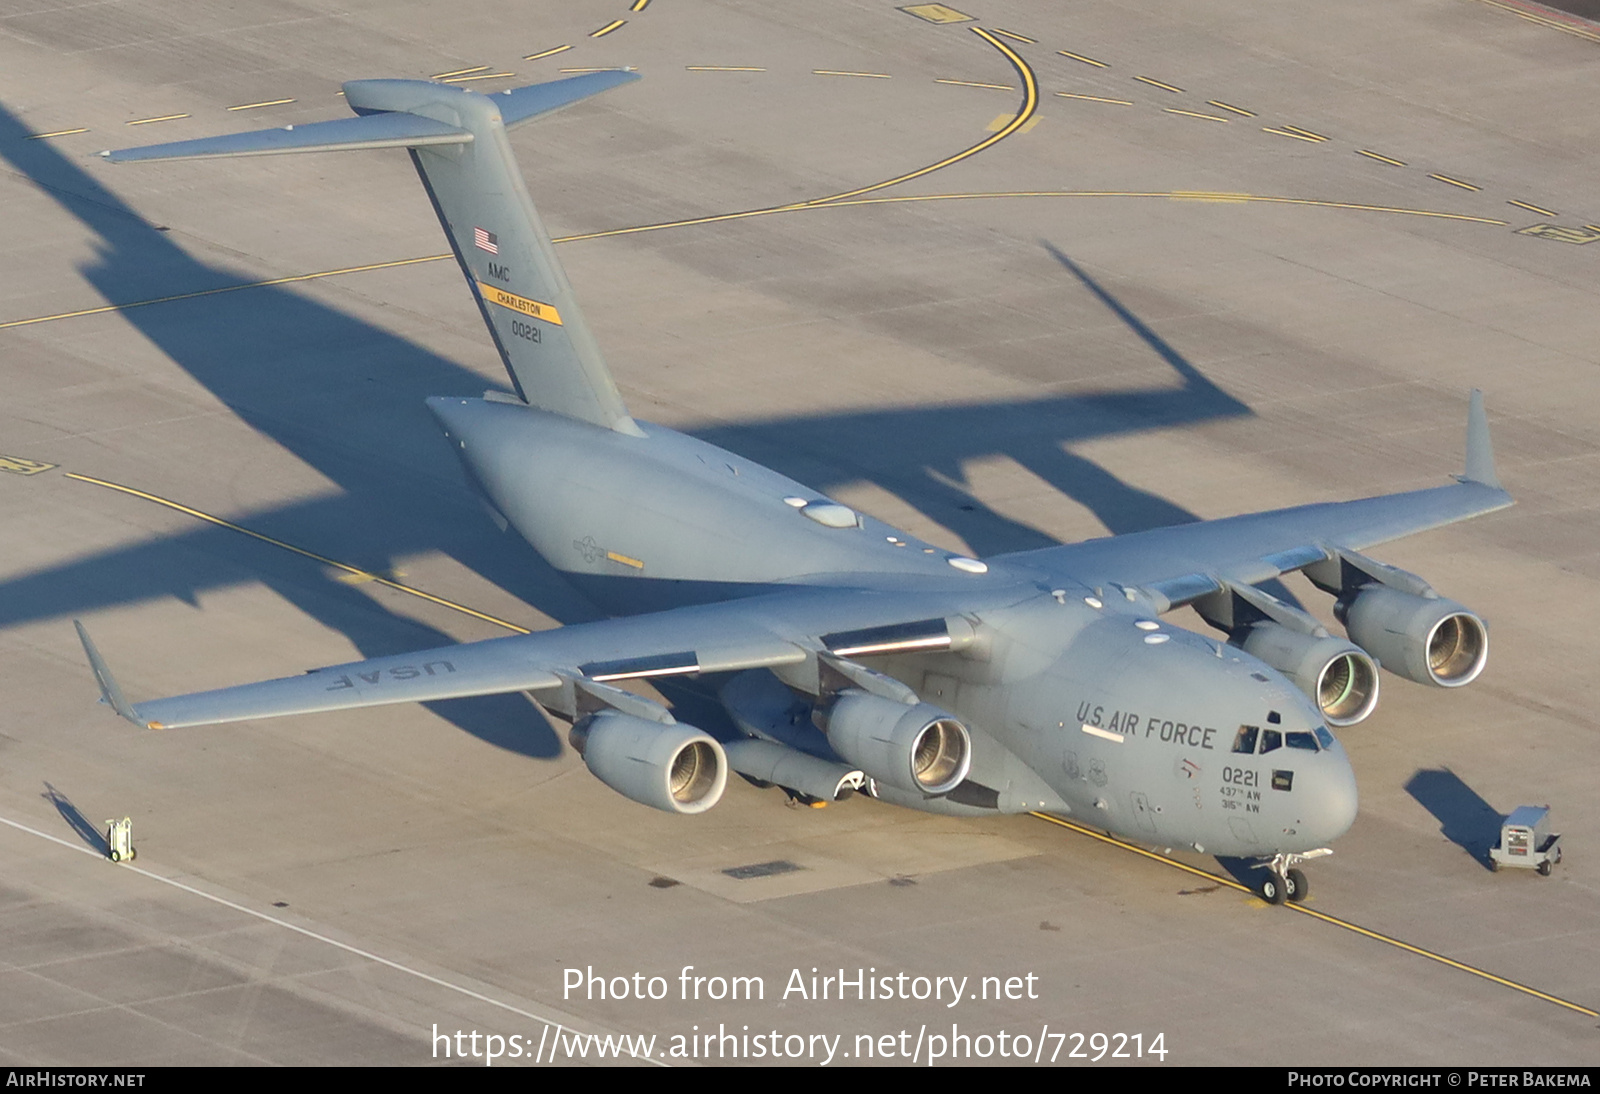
(1182, 563)
(782, 628)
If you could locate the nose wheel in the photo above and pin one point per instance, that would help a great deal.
(1283, 880)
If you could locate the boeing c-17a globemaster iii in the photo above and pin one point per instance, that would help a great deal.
(857, 657)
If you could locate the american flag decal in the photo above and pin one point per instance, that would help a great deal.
(485, 241)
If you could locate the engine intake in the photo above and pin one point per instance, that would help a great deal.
(1423, 638)
(668, 766)
(918, 748)
(1339, 676)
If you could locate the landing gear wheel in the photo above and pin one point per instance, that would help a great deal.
(116, 856)
(1296, 887)
(1273, 888)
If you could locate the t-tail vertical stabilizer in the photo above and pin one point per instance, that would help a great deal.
(457, 140)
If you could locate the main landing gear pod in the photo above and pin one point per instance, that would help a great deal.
(1426, 639)
(778, 765)
(668, 766)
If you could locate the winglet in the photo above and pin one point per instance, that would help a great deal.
(1480, 453)
(110, 693)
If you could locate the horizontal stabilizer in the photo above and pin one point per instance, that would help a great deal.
(529, 102)
(456, 138)
(372, 131)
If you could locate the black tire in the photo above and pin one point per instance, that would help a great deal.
(1273, 889)
(1544, 868)
(115, 857)
(1296, 887)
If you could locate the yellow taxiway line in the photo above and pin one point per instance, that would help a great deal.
(1323, 916)
(352, 571)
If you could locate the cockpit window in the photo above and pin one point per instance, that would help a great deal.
(1302, 740)
(1270, 740)
(1324, 738)
(1246, 740)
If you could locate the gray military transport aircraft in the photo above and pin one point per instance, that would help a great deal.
(860, 658)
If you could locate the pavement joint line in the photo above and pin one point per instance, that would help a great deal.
(355, 571)
(1323, 916)
(838, 200)
(306, 931)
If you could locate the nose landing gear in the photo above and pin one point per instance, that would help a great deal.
(1283, 880)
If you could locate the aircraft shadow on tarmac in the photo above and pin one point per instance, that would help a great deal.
(1465, 819)
(294, 369)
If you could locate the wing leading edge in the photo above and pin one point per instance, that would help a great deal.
(1183, 563)
(785, 628)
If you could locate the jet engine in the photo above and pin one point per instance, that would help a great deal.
(918, 748)
(1340, 677)
(1423, 638)
(666, 765)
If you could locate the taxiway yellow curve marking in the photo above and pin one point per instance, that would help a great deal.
(1030, 104)
(616, 24)
(162, 118)
(1323, 916)
(546, 53)
(56, 133)
(1553, 24)
(354, 571)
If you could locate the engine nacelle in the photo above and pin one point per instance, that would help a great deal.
(667, 765)
(918, 748)
(1427, 639)
(1340, 677)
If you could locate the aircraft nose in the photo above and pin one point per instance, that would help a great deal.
(1331, 807)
